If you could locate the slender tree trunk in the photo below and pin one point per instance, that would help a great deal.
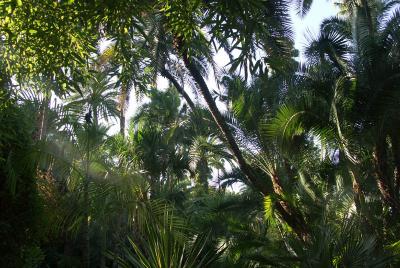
(41, 128)
(396, 155)
(85, 228)
(95, 118)
(367, 11)
(356, 186)
(178, 87)
(359, 198)
(382, 178)
(283, 207)
(223, 126)
(123, 102)
(41, 132)
(103, 246)
(290, 215)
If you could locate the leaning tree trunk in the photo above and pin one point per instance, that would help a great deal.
(354, 173)
(283, 207)
(292, 217)
(222, 125)
(178, 87)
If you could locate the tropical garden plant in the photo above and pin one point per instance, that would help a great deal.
(279, 163)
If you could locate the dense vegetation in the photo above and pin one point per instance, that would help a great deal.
(282, 164)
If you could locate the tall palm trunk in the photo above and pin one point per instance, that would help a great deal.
(103, 245)
(123, 103)
(41, 132)
(95, 117)
(41, 128)
(367, 13)
(85, 228)
(287, 212)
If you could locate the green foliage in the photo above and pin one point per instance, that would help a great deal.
(20, 204)
(300, 170)
(166, 242)
(32, 257)
(37, 42)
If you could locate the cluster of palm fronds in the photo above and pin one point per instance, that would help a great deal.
(302, 169)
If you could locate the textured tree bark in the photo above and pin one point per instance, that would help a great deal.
(396, 155)
(356, 187)
(290, 215)
(367, 11)
(41, 128)
(286, 211)
(382, 179)
(178, 87)
(123, 101)
(40, 134)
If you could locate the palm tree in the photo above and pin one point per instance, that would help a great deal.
(168, 141)
(186, 33)
(206, 153)
(98, 98)
(355, 47)
(377, 42)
